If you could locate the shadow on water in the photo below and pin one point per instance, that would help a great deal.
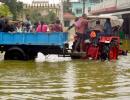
(74, 80)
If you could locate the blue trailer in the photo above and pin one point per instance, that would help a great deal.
(24, 46)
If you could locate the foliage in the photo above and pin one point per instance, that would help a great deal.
(51, 16)
(14, 6)
(36, 16)
(4, 10)
(19, 10)
(19, 7)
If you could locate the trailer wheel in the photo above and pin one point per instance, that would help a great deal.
(15, 53)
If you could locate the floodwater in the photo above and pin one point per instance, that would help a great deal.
(73, 80)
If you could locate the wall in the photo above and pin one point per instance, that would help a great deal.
(43, 9)
(108, 5)
(78, 5)
(123, 4)
(118, 6)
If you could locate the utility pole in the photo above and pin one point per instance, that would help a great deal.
(83, 6)
(61, 12)
(116, 4)
(103, 4)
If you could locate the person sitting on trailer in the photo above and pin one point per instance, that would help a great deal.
(44, 27)
(9, 27)
(19, 27)
(58, 26)
(27, 23)
(51, 27)
(39, 27)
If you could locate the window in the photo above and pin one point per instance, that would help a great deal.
(78, 11)
(66, 23)
(89, 9)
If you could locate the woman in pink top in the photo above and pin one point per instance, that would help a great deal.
(44, 27)
(39, 27)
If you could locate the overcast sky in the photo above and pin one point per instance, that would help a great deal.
(50, 1)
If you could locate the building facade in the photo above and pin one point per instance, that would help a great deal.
(119, 8)
(77, 7)
(106, 6)
(43, 7)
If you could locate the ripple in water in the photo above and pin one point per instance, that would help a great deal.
(74, 80)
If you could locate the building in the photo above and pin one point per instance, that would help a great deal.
(80, 5)
(43, 7)
(40, 3)
(68, 21)
(77, 8)
(107, 6)
(119, 8)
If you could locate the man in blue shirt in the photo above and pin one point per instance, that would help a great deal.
(107, 27)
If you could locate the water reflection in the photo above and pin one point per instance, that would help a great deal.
(95, 79)
(75, 80)
(70, 80)
(123, 78)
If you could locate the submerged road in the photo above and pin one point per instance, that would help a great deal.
(74, 80)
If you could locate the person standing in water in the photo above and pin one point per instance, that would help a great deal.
(81, 26)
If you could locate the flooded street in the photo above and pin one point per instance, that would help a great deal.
(74, 80)
(41, 42)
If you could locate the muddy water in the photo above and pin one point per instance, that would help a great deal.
(75, 80)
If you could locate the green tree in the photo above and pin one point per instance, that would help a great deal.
(51, 16)
(19, 6)
(14, 6)
(36, 16)
(4, 10)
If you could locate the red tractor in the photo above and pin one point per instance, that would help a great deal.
(100, 47)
